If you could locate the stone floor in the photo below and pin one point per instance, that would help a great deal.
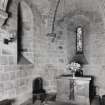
(48, 103)
(94, 102)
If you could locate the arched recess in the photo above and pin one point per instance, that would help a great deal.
(25, 33)
(92, 23)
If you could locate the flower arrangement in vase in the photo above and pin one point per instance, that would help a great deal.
(73, 67)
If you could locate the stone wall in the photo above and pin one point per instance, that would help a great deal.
(71, 14)
(15, 79)
(50, 58)
(90, 15)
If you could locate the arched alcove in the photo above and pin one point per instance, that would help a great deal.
(90, 21)
(25, 33)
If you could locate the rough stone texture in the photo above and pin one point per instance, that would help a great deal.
(51, 58)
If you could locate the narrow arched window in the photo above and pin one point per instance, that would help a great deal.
(79, 40)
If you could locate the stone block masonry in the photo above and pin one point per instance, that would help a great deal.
(15, 80)
(49, 58)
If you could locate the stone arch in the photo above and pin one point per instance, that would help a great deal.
(25, 35)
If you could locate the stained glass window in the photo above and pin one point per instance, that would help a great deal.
(79, 40)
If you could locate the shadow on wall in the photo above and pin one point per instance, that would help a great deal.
(21, 58)
(19, 32)
(25, 34)
(92, 88)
